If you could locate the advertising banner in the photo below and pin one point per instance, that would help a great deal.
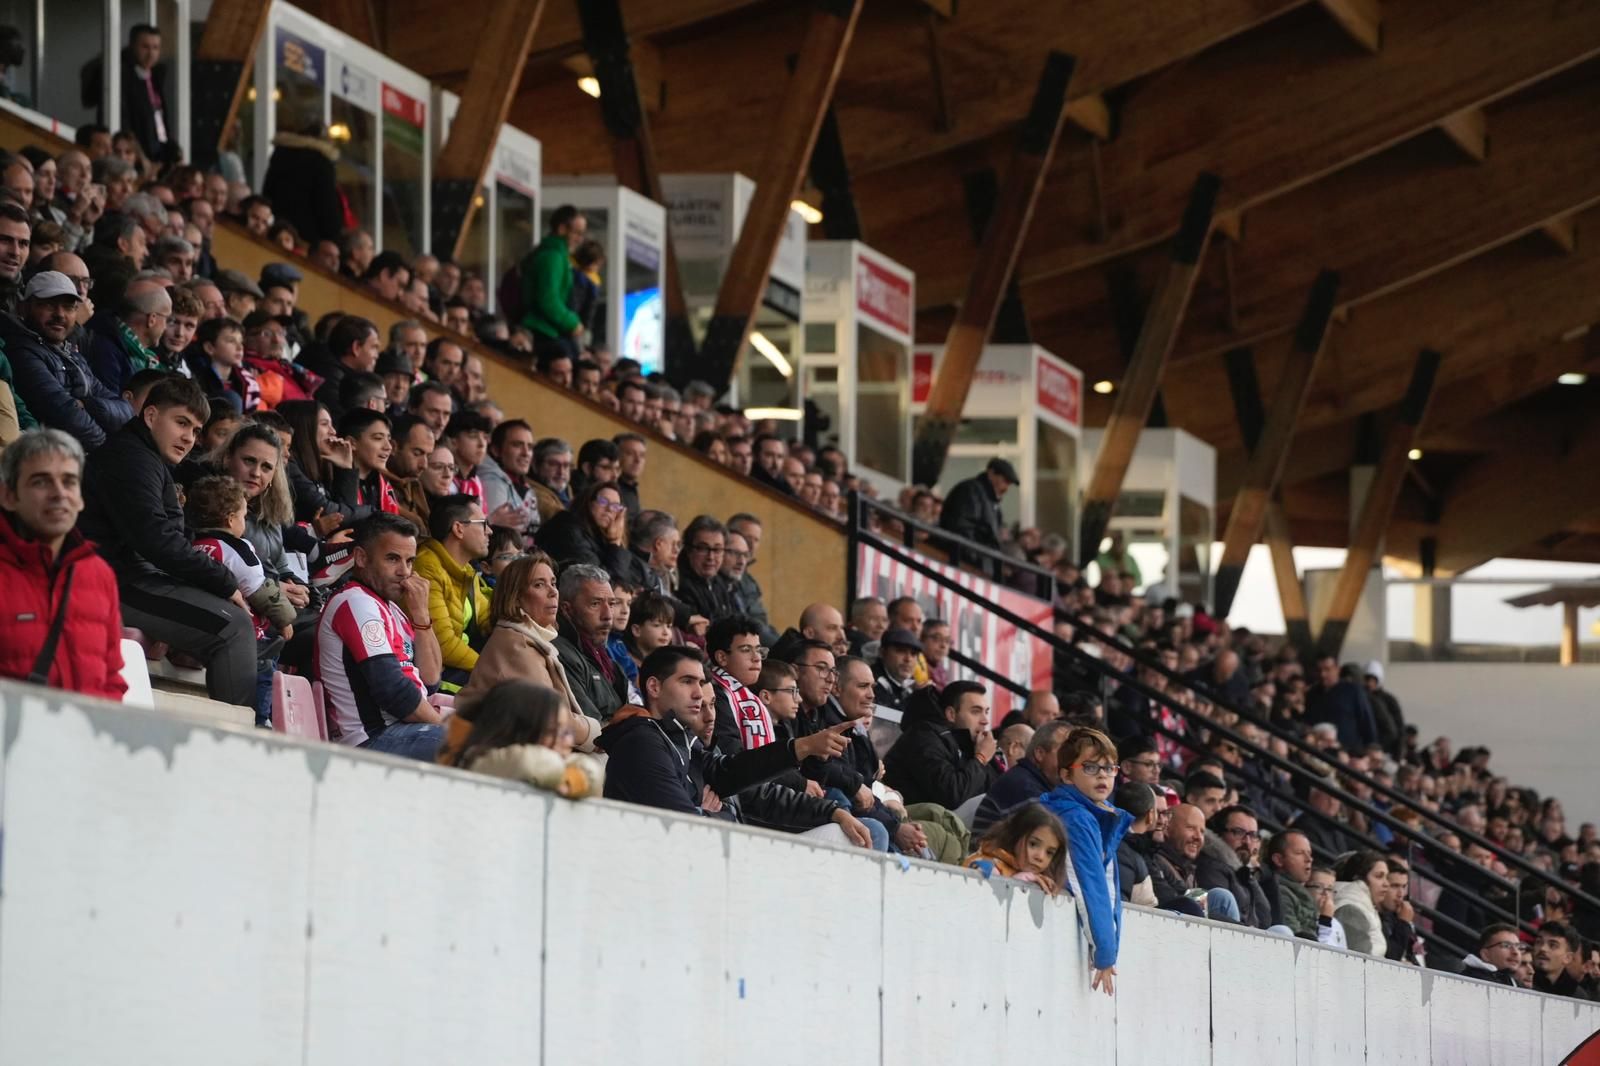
(974, 632)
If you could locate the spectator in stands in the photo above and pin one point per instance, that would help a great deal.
(216, 363)
(593, 531)
(1319, 821)
(523, 617)
(1139, 761)
(733, 646)
(353, 346)
(508, 495)
(631, 454)
(820, 622)
(50, 377)
(517, 732)
(631, 397)
(1387, 715)
(657, 543)
(1343, 705)
(302, 184)
(1497, 956)
(597, 461)
(468, 437)
(1230, 859)
(16, 238)
(1288, 863)
(744, 589)
(895, 668)
(359, 250)
(1036, 773)
(1087, 762)
(1027, 845)
(598, 685)
(169, 590)
(240, 294)
(432, 402)
(413, 444)
(376, 652)
(869, 620)
(1399, 932)
(546, 274)
(387, 276)
(396, 371)
(371, 438)
(700, 586)
(770, 454)
(146, 108)
(123, 342)
(972, 510)
(1553, 954)
(945, 753)
(936, 644)
(1204, 790)
(181, 326)
(458, 600)
(62, 625)
(1173, 869)
(1363, 881)
(552, 472)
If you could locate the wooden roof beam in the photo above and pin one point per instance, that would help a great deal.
(1562, 232)
(1515, 299)
(1383, 491)
(830, 27)
(1329, 108)
(1362, 20)
(1092, 115)
(1270, 449)
(1468, 130)
(1382, 223)
(1142, 379)
(1002, 238)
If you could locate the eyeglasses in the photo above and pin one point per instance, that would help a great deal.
(484, 522)
(442, 468)
(85, 284)
(707, 549)
(751, 649)
(1097, 769)
(792, 692)
(1501, 944)
(822, 671)
(1319, 889)
(608, 506)
(1242, 834)
(1145, 764)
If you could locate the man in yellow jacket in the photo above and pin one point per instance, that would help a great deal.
(458, 600)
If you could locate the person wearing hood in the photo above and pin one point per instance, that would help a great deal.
(946, 753)
(1087, 770)
(1497, 955)
(655, 759)
(1230, 858)
(1386, 712)
(303, 185)
(1148, 808)
(1363, 883)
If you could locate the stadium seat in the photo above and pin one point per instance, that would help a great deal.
(136, 675)
(296, 711)
(321, 703)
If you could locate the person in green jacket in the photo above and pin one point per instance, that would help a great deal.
(546, 285)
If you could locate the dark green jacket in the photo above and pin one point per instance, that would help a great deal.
(25, 419)
(546, 288)
(1299, 912)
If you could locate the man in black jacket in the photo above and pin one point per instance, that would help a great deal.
(655, 760)
(146, 103)
(700, 584)
(353, 344)
(1230, 858)
(946, 754)
(172, 591)
(598, 684)
(49, 374)
(1034, 775)
(972, 510)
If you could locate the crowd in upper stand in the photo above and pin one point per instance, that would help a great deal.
(188, 456)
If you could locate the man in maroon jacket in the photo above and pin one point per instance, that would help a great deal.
(48, 571)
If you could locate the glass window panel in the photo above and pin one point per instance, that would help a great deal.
(1194, 549)
(822, 390)
(514, 232)
(475, 248)
(21, 81)
(74, 36)
(761, 383)
(996, 431)
(881, 373)
(643, 306)
(356, 133)
(822, 338)
(1057, 481)
(403, 186)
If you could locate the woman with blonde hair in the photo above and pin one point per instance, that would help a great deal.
(520, 647)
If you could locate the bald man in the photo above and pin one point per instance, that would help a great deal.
(143, 314)
(822, 621)
(1172, 869)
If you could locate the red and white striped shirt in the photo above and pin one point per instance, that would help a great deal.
(365, 658)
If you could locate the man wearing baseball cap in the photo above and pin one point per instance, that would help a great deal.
(894, 672)
(53, 381)
(972, 510)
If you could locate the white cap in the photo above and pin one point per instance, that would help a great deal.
(1375, 669)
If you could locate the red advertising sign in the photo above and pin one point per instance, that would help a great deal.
(1060, 393)
(921, 376)
(974, 632)
(883, 295)
(405, 108)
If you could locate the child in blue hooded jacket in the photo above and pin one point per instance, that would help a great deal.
(1088, 768)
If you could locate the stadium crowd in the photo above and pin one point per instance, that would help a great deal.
(187, 456)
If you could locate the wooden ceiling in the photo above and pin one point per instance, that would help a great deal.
(1442, 155)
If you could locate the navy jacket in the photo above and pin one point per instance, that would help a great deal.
(1346, 707)
(1018, 785)
(651, 762)
(59, 388)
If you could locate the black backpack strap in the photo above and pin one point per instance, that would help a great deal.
(47, 654)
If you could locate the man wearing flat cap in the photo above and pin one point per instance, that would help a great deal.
(895, 671)
(972, 510)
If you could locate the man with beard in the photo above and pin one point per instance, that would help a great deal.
(51, 378)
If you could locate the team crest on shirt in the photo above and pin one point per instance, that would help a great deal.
(372, 634)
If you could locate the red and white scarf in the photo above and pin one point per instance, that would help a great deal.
(755, 722)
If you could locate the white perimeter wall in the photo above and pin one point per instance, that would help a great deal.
(176, 893)
(1541, 721)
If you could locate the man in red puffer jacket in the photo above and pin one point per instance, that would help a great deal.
(48, 569)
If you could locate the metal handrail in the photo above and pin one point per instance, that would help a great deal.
(1395, 796)
(1044, 580)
